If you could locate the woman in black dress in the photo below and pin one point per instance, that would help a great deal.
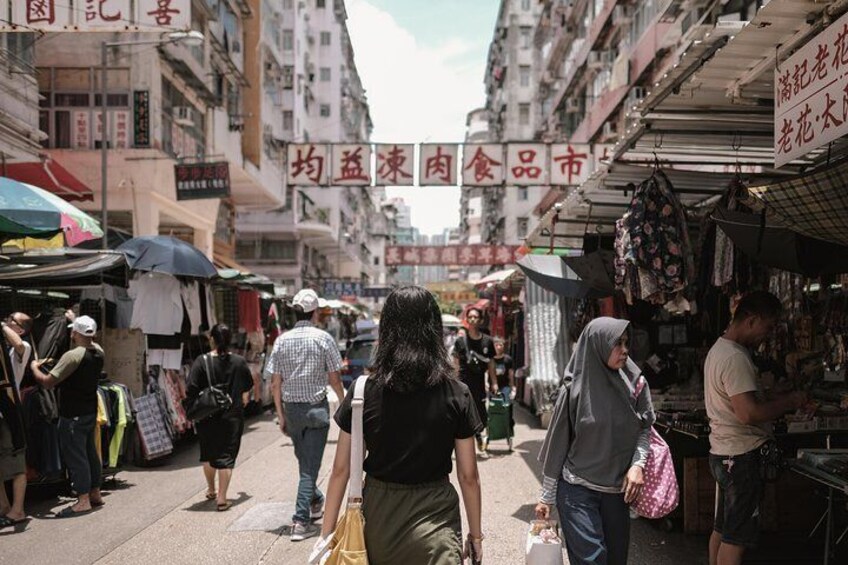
(220, 435)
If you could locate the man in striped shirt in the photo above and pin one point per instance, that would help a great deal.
(304, 360)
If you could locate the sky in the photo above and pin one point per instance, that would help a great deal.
(422, 64)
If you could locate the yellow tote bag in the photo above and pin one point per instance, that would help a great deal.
(348, 544)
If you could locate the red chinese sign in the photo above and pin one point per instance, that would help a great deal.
(569, 164)
(351, 165)
(395, 164)
(96, 15)
(527, 164)
(307, 164)
(437, 164)
(483, 165)
(202, 180)
(811, 95)
(451, 255)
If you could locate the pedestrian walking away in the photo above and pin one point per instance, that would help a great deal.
(16, 329)
(303, 362)
(597, 446)
(505, 374)
(740, 425)
(76, 376)
(473, 359)
(417, 415)
(220, 434)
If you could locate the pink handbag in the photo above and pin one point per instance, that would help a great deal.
(660, 493)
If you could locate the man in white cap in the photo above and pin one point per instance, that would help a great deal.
(304, 360)
(76, 376)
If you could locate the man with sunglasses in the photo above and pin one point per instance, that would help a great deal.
(473, 356)
(15, 329)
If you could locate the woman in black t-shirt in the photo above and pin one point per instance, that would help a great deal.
(416, 415)
(220, 435)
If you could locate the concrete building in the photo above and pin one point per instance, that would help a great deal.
(403, 234)
(20, 138)
(510, 115)
(335, 233)
(168, 104)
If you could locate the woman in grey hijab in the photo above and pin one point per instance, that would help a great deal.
(597, 446)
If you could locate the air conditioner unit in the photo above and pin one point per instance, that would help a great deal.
(183, 115)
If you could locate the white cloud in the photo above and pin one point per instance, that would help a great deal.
(417, 94)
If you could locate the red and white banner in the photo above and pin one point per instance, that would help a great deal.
(307, 164)
(395, 164)
(570, 163)
(483, 165)
(437, 164)
(451, 255)
(527, 164)
(351, 165)
(96, 15)
(811, 95)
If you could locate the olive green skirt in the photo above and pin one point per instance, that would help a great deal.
(412, 524)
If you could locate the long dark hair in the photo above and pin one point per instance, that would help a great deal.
(222, 336)
(411, 352)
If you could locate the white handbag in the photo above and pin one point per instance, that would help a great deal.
(544, 544)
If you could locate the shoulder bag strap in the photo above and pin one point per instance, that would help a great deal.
(357, 441)
(638, 386)
(208, 369)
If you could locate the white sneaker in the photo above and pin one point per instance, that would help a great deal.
(300, 532)
(316, 510)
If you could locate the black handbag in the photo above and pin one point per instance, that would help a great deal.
(212, 401)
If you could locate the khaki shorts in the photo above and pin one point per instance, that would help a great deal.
(11, 463)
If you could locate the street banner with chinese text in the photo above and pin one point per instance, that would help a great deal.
(307, 164)
(202, 180)
(451, 255)
(437, 164)
(483, 164)
(395, 165)
(96, 15)
(811, 95)
(351, 165)
(527, 164)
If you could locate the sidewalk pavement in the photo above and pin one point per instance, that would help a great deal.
(160, 514)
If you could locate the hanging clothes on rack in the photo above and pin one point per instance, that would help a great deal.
(158, 305)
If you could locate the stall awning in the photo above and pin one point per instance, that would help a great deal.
(52, 177)
(64, 269)
(495, 278)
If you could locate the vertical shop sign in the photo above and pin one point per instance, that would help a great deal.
(202, 180)
(526, 164)
(570, 164)
(395, 164)
(351, 165)
(482, 164)
(437, 164)
(307, 164)
(120, 127)
(141, 118)
(811, 95)
(82, 133)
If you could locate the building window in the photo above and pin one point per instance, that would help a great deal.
(521, 228)
(320, 3)
(325, 74)
(526, 37)
(325, 110)
(288, 120)
(325, 38)
(285, 250)
(245, 250)
(525, 5)
(288, 39)
(524, 75)
(523, 193)
(524, 114)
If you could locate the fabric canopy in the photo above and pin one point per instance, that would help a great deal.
(813, 204)
(40, 270)
(52, 177)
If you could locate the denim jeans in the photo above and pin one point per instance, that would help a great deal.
(740, 494)
(308, 425)
(596, 525)
(76, 442)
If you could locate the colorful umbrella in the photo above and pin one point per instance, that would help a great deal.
(28, 211)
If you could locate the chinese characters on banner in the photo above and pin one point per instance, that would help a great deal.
(811, 95)
(451, 255)
(483, 165)
(81, 138)
(440, 164)
(527, 164)
(395, 165)
(202, 180)
(97, 15)
(437, 164)
(351, 165)
(141, 118)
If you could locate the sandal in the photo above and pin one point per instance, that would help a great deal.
(211, 495)
(225, 506)
(69, 512)
(98, 504)
(6, 522)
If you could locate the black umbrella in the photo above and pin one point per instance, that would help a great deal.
(775, 245)
(165, 254)
(551, 273)
(597, 269)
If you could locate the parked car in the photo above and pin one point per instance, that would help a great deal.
(357, 357)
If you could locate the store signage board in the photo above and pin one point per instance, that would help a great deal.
(483, 165)
(96, 15)
(395, 164)
(141, 118)
(811, 95)
(351, 165)
(202, 180)
(451, 255)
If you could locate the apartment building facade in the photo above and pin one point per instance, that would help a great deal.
(320, 233)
